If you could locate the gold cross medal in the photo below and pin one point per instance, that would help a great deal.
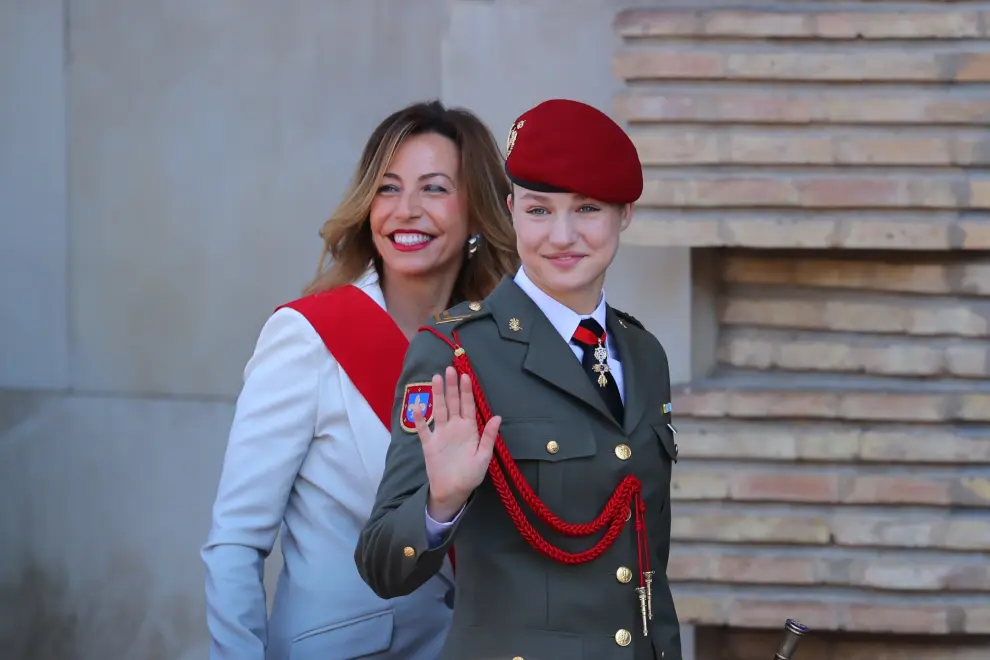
(601, 368)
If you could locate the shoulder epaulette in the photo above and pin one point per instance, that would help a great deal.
(629, 318)
(458, 314)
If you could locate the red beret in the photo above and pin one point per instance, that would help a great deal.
(567, 146)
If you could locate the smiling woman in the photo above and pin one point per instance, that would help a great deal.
(429, 178)
(418, 216)
(422, 226)
(566, 242)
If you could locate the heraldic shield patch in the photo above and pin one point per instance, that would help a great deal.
(417, 396)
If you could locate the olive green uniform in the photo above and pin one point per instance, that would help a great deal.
(512, 601)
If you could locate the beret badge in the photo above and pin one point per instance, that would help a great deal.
(513, 134)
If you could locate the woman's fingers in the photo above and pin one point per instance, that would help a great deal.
(439, 405)
(422, 428)
(453, 398)
(466, 395)
(486, 443)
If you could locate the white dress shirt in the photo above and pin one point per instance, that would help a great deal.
(566, 321)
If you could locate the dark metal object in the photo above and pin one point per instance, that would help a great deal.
(792, 635)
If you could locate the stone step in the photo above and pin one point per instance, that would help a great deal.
(755, 395)
(752, 644)
(890, 571)
(797, 105)
(730, 482)
(787, 441)
(813, 309)
(804, 20)
(789, 62)
(882, 355)
(866, 612)
(959, 274)
(803, 228)
(840, 189)
(838, 526)
(873, 146)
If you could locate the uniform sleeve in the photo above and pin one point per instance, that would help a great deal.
(394, 555)
(667, 628)
(270, 436)
(663, 549)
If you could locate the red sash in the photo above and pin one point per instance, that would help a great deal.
(364, 340)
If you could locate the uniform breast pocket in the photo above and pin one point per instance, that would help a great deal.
(554, 455)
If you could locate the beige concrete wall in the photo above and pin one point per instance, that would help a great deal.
(164, 167)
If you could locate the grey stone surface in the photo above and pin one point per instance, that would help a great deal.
(208, 144)
(106, 502)
(33, 202)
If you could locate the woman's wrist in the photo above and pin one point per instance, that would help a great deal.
(444, 510)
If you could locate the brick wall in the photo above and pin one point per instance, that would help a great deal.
(836, 463)
(831, 159)
(810, 126)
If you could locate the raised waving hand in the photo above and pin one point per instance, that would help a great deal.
(456, 455)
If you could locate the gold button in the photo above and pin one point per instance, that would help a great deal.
(475, 306)
(623, 452)
(623, 637)
(518, 657)
(553, 447)
(408, 551)
(623, 575)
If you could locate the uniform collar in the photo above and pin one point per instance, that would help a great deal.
(564, 319)
(526, 315)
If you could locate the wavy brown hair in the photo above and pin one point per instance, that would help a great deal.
(348, 247)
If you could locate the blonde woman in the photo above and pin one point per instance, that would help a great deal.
(422, 227)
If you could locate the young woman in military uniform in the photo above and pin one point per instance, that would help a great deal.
(532, 429)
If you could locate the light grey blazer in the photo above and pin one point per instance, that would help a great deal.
(306, 452)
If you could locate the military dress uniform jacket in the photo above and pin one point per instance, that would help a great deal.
(511, 601)
(305, 453)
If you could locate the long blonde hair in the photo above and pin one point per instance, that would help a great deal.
(348, 247)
